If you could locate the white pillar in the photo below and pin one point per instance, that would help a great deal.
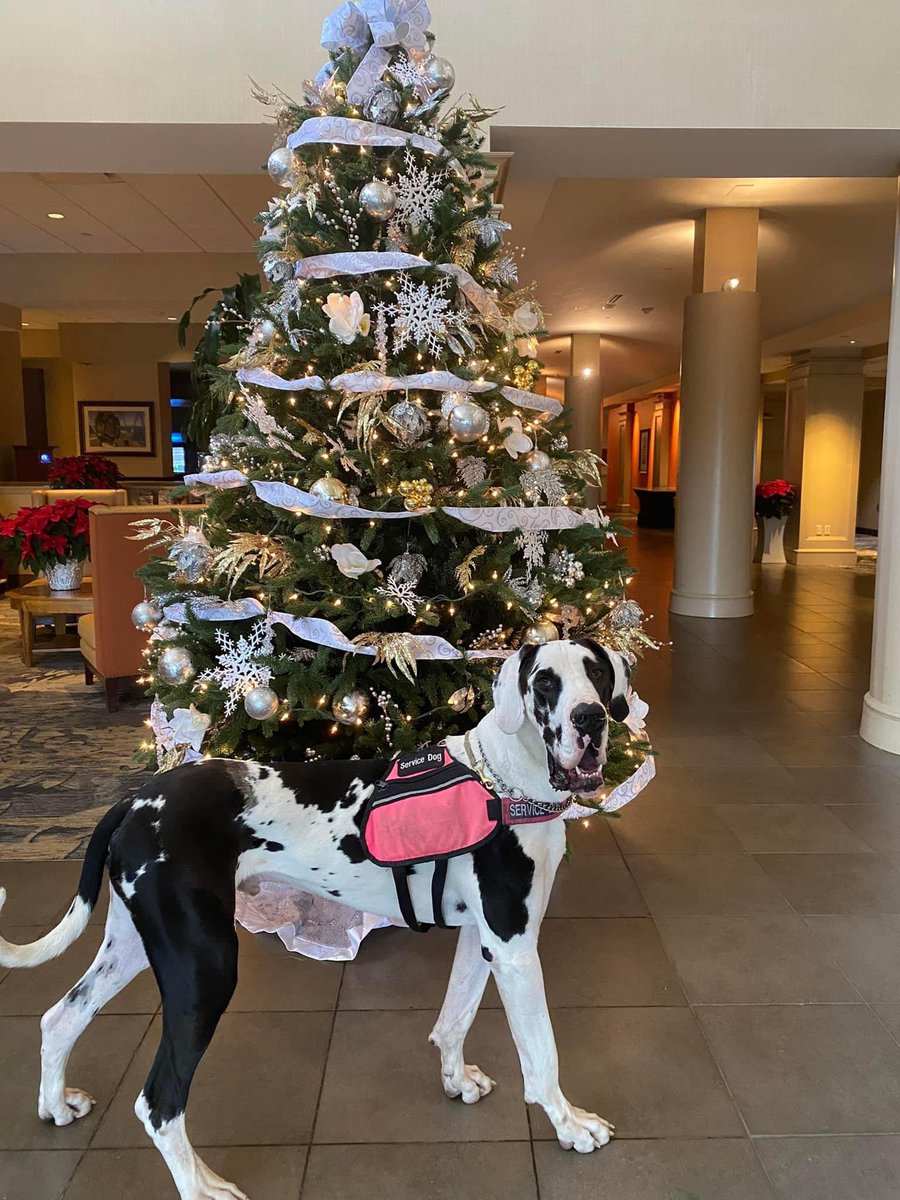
(584, 399)
(881, 709)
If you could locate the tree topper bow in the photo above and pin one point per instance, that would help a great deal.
(373, 27)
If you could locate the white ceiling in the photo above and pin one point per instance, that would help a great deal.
(130, 214)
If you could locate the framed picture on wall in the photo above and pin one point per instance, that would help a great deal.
(644, 452)
(122, 428)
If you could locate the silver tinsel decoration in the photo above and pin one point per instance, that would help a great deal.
(565, 567)
(407, 568)
(406, 421)
(627, 614)
(382, 105)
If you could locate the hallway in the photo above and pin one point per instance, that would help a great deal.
(723, 962)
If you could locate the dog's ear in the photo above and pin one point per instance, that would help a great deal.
(509, 690)
(619, 708)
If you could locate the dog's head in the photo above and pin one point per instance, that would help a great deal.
(566, 693)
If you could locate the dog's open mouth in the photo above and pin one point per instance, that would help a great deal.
(582, 779)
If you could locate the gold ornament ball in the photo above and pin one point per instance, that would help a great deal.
(352, 708)
(329, 488)
(416, 493)
(462, 699)
(540, 633)
(175, 666)
(537, 460)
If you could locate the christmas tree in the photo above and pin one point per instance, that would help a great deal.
(391, 508)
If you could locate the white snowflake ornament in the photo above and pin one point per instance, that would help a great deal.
(418, 192)
(238, 670)
(424, 315)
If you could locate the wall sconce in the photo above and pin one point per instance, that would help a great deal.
(732, 284)
(587, 372)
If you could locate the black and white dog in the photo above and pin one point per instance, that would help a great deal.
(177, 850)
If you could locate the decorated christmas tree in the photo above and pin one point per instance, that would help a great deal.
(391, 507)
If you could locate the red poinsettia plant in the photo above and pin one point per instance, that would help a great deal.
(84, 471)
(775, 498)
(46, 536)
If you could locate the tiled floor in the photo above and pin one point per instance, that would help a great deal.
(723, 963)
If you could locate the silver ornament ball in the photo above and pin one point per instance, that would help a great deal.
(468, 421)
(450, 401)
(537, 460)
(352, 708)
(462, 699)
(407, 568)
(175, 666)
(407, 421)
(540, 633)
(329, 488)
(261, 703)
(382, 105)
(378, 199)
(439, 74)
(146, 615)
(282, 167)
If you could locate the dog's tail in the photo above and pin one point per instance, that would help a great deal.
(73, 924)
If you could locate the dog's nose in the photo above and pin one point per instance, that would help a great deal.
(589, 720)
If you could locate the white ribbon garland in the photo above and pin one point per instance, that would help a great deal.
(429, 381)
(491, 520)
(375, 26)
(260, 377)
(356, 262)
(542, 404)
(282, 495)
(348, 131)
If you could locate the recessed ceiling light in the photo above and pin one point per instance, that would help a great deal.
(57, 216)
(24, 324)
(171, 318)
(853, 341)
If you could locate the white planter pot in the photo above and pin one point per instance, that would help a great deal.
(770, 542)
(65, 577)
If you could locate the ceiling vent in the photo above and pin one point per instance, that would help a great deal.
(613, 300)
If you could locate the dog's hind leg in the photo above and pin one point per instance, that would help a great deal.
(120, 958)
(195, 962)
(464, 991)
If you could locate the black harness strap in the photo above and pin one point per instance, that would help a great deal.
(405, 901)
(438, 879)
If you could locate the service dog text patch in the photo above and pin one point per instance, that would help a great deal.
(415, 763)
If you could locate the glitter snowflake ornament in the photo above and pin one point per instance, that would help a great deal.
(471, 471)
(533, 544)
(238, 669)
(424, 315)
(565, 567)
(418, 193)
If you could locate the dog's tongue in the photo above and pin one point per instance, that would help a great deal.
(589, 762)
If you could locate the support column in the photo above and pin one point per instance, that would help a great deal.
(822, 436)
(584, 398)
(12, 396)
(720, 386)
(881, 708)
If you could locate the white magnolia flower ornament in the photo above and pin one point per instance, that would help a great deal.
(525, 318)
(348, 317)
(189, 726)
(637, 712)
(351, 561)
(516, 442)
(527, 347)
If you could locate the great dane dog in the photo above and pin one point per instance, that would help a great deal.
(177, 850)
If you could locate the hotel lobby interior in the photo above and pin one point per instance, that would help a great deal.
(716, 263)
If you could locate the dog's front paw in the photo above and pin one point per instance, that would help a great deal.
(210, 1186)
(471, 1084)
(75, 1104)
(582, 1131)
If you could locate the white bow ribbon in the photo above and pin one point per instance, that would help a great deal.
(384, 23)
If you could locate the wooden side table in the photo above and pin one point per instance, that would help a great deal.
(36, 600)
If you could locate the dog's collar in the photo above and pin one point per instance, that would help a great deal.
(518, 809)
